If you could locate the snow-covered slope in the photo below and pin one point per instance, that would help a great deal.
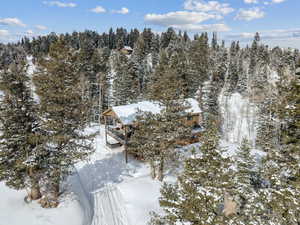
(239, 118)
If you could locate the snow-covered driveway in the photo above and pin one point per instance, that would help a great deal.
(109, 207)
(112, 192)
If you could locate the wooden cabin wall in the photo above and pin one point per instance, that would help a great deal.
(194, 119)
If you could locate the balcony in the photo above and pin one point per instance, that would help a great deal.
(116, 134)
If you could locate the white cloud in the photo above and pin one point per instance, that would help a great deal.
(41, 27)
(220, 27)
(251, 1)
(12, 22)
(210, 6)
(238, 36)
(279, 34)
(266, 2)
(98, 9)
(4, 36)
(4, 33)
(185, 20)
(278, 1)
(179, 18)
(60, 4)
(123, 11)
(250, 14)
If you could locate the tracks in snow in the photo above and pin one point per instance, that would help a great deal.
(109, 207)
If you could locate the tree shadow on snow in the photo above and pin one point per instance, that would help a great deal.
(94, 176)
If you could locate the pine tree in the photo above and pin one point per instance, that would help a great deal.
(199, 61)
(154, 90)
(64, 113)
(179, 62)
(156, 136)
(247, 185)
(233, 75)
(242, 83)
(126, 84)
(166, 37)
(19, 155)
(140, 61)
(281, 167)
(94, 67)
(198, 195)
(101, 61)
(214, 41)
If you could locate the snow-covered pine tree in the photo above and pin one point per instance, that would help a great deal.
(64, 113)
(19, 155)
(242, 83)
(154, 90)
(126, 84)
(140, 61)
(233, 75)
(179, 62)
(282, 167)
(198, 196)
(199, 60)
(100, 60)
(166, 37)
(211, 89)
(157, 136)
(246, 189)
(88, 58)
(268, 121)
(214, 41)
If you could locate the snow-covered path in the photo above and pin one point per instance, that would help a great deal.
(110, 207)
(112, 192)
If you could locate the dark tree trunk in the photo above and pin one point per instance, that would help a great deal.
(35, 192)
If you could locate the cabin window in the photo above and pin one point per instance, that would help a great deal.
(189, 117)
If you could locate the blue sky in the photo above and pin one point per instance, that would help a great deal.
(278, 21)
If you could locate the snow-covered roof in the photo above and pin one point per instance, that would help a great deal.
(128, 48)
(127, 113)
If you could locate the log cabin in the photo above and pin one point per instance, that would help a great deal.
(120, 120)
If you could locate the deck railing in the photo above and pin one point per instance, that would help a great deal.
(118, 135)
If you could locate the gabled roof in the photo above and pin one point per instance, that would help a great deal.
(128, 48)
(127, 113)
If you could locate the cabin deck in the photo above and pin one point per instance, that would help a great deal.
(117, 135)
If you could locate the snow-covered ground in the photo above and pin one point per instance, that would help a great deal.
(104, 191)
(121, 194)
(14, 211)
